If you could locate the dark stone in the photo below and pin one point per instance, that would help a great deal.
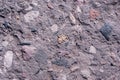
(6, 24)
(106, 31)
(61, 62)
(4, 12)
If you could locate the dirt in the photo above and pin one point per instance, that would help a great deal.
(59, 39)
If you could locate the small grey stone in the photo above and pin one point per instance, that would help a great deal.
(106, 31)
(61, 62)
(84, 58)
(41, 58)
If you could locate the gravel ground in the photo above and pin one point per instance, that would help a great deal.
(59, 39)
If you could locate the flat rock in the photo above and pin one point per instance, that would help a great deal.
(28, 52)
(8, 58)
(43, 75)
(29, 49)
(84, 58)
(41, 58)
(31, 16)
(62, 77)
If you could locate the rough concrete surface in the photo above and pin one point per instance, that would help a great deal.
(59, 39)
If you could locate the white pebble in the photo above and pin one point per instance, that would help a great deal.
(5, 43)
(85, 73)
(92, 49)
(54, 28)
(8, 57)
(78, 9)
(101, 70)
(72, 18)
